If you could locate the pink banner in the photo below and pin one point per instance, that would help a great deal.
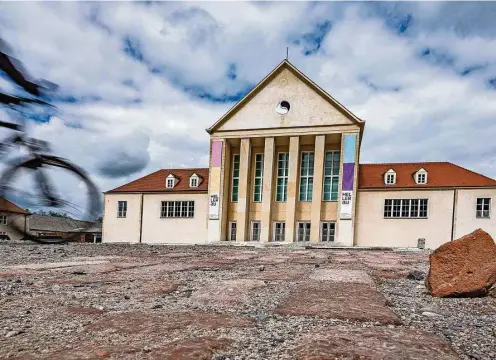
(216, 160)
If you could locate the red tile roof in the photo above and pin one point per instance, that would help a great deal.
(6, 205)
(439, 174)
(155, 182)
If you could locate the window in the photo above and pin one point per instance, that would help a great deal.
(258, 183)
(421, 178)
(280, 231)
(306, 176)
(327, 231)
(3, 219)
(483, 208)
(121, 209)
(303, 231)
(193, 181)
(255, 231)
(390, 177)
(282, 177)
(405, 208)
(232, 231)
(235, 178)
(331, 175)
(177, 209)
(171, 181)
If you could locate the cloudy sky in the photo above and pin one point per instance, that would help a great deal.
(140, 82)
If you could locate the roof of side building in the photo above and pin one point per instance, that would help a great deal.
(6, 205)
(439, 174)
(156, 182)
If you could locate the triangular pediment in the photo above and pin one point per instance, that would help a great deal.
(309, 105)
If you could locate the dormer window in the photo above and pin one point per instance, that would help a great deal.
(171, 181)
(194, 180)
(421, 176)
(390, 177)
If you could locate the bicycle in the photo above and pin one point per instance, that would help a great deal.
(39, 160)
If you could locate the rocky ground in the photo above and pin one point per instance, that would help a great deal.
(93, 301)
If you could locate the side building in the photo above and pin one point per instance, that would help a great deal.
(284, 167)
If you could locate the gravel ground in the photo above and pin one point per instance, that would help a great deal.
(91, 301)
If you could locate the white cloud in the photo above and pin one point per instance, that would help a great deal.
(416, 108)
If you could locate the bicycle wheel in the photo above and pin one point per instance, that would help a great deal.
(82, 214)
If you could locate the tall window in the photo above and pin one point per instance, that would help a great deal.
(193, 182)
(279, 231)
(122, 209)
(177, 209)
(235, 178)
(390, 178)
(3, 219)
(258, 183)
(282, 177)
(306, 176)
(405, 208)
(327, 231)
(232, 231)
(303, 231)
(331, 175)
(255, 231)
(483, 210)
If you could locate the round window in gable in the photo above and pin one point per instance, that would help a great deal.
(283, 107)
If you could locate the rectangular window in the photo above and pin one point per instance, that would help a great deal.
(255, 231)
(235, 178)
(390, 179)
(177, 209)
(282, 177)
(279, 231)
(303, 231)
(122, 209)
(306, 176)
(232, 231)
(483, 210)
(3, 219)
(327, 231)
(331, 175)
(405, 208)
(258, 183)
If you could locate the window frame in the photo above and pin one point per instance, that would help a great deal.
(233, 178)
(321, 237)
(121, 214)
(195, 179)
(284, 177)
(231, 223)
(424, 178)
(259, 177)
(4, 220)
(274, 235)
(172, 179)
(404, 208)
(489, 205)
(306, 231)
(307, 195)
(180, 209)
(331, 176)
(252, 230)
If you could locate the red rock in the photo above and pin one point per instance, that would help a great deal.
(463, 267)
(335, 300)
(371, 343)
(199, 349)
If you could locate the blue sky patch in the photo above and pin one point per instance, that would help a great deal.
(131, 47)
(311, 41)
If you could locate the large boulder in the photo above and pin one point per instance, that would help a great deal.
(463, 267)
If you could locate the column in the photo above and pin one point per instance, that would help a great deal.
(318, 177)
(294, 155)
(243, 192)
(268, 182)
(225, 184)
(217, 165)
(349, 173)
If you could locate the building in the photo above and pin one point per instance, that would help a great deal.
(11, 214)
(15, 221)
(284, 167)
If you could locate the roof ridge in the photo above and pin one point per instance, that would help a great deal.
(140, 178)
(14, 204)
(409, 163)
(473, 172)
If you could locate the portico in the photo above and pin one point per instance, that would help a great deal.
(277, 164)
